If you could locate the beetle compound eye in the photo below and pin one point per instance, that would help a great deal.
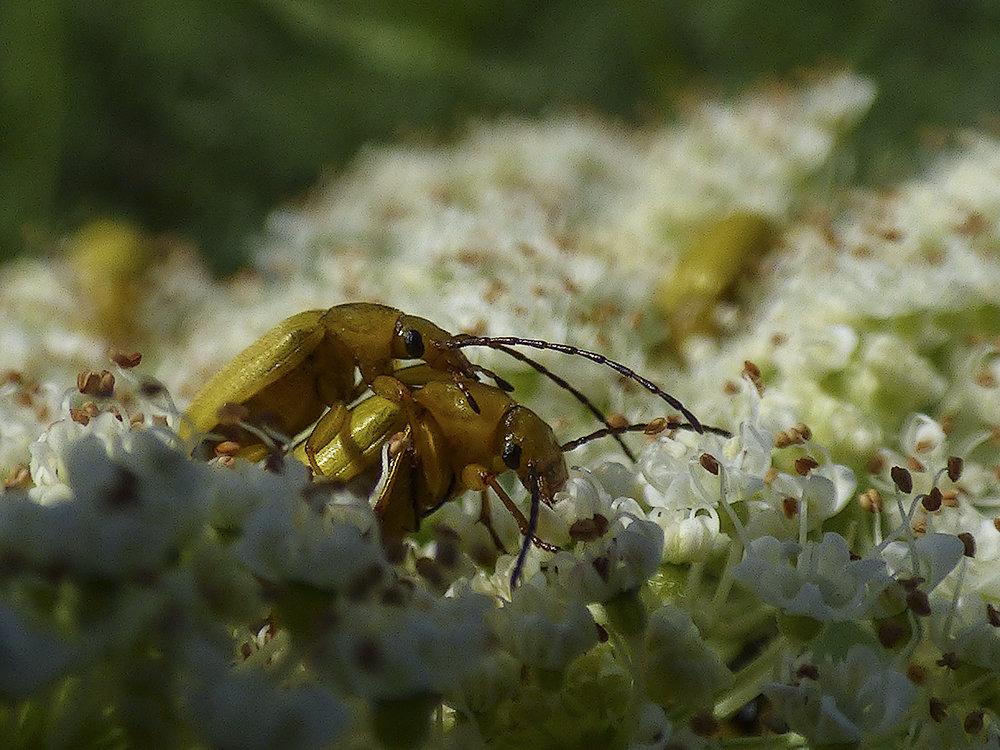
(511, 455)
(414, 343)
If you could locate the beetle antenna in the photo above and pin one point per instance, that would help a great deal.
(465, 392)
(532, 526)
(649, 428)
(498, 342)
(502, 384)
(562, 383)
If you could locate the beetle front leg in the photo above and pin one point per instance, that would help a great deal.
(477, 478)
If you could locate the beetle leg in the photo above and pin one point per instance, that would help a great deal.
(487, 520)
(326, 429)
(395, 517)
(523, 523)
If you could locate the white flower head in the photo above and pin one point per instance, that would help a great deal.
(246, 709)
(286, 540)
(969, 630)
(131, 500)
(653, 730)
(689, 536)
(839, 701)
(680, 668)
(390, 651)
(818, 580)
(620, 561)
(544, 626)
(494, 679)
(931, 557)
(821, 494)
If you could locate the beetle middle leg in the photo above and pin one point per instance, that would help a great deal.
(486, 519)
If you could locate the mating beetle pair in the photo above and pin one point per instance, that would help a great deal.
(457, 433)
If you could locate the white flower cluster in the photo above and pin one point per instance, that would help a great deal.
(838, 553)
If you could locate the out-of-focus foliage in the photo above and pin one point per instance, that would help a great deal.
(198, 116)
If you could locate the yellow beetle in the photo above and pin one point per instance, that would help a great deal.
(449, 448)
(306, 363)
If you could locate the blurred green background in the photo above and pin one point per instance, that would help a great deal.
(198, 116)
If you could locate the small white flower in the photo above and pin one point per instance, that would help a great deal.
(387, 651)
(924, 437)
(131, 500)
(582, 497)
(680, 668)
(494, 679)
(286, 540)
(818, 580)
(930, 557)
(653, 730)
(843, 701)
(246, 710)
(688, 536)
(620, 561)
(966, 631)
(543, 626)
(821, 494)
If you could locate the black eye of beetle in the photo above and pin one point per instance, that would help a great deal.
(511, 455)
(414, 343)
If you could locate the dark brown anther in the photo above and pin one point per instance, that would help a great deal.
(902, 479)
(790, 507)
(918, 603)
(588, 529)
(752, 373)
(98, 384)
(807, 672)
(973, 722)
(805, 464)
(932, 500)
(876, 463)
(655, 427)
(916, 673)
(969, 544)
(949, 660)
(709, 463)
(992, 615)
(955, 465)
(889, 633)
(150, 388)
(125, 360)
(937, 709)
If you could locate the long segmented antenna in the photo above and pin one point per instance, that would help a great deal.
(650, 428)
(562, 383)
(498, 342)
